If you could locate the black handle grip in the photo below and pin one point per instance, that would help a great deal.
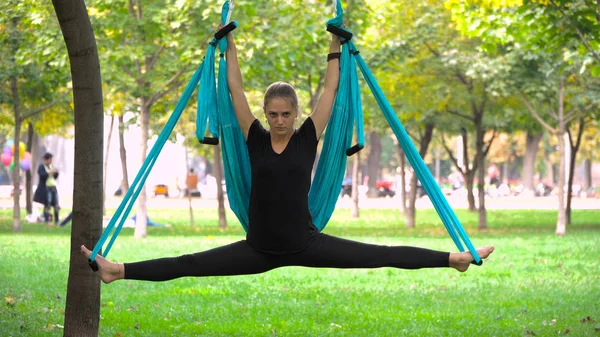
(210, 141)
(354, 149)
(339, 32)
(477, 264)
(225, 30)
(93, 265)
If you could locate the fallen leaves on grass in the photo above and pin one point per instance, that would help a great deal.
(10, 300)
(588, 320)
(51, 327)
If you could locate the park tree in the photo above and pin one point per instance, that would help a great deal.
(33, 79)
(548, 49)
(454, 76)
(82, 313)
(150, 50)
(589, 152)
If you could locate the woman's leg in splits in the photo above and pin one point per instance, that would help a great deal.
(234, 259)
(331, 252)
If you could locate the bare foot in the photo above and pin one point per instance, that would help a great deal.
(109, 271)
(462, 261)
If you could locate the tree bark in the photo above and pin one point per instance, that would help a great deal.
(123, 155)
(468, 172)
(220, 194)
(402, 188)
(14, 88)
(574, 149)
(373, 164)
(411, 212)
(355, 211)
(480, 159)
(481, 194)
(531, 149)
(561, 222)
(82, 313)
(141, 217)
(187, 189)
(28, 176)
(110, 131)
(587, 173)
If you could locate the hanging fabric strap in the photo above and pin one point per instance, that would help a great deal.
(217, 106)
(118, 219)
(331, 167)
(120, 216)
(337, 140)
(451, 222)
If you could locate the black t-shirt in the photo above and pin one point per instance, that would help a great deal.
(279, 218)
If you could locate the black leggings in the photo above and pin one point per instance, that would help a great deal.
(324, 251)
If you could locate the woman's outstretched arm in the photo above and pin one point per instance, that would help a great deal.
(320, 115)
(236, 87)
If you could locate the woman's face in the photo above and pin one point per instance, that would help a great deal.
(280, 116)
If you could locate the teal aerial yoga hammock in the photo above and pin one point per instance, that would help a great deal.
(451, 222)
(222, 123)
(331, 168)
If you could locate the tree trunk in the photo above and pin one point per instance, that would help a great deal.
(141, 218)
(82, 313)
(373, 164)
(220, 194)
(572, 161)
(587, 174)
(561, 222)
(480, 158)
(355, 211)
(466, 171)
(481, 193)
(411, 212)
(14, 88)
(16, 173)
(28, 176)
(402, 188)
(531, 149)
(437, 165)
(187, 190)
(469, 183)
(110, 131)
(123, 154)
(562, 215)
(412, 198)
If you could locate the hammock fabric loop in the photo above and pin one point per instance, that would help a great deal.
(215, 108)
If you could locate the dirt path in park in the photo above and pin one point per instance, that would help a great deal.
(381, 203)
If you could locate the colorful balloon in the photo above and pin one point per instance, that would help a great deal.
(6, 159)
(7, 149)
(22, 149)
(10, 142)
(26, 155)
(26, 164)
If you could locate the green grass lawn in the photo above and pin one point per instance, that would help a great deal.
(535, 284)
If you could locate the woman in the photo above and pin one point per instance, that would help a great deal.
(280, 230)
(46, 193)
